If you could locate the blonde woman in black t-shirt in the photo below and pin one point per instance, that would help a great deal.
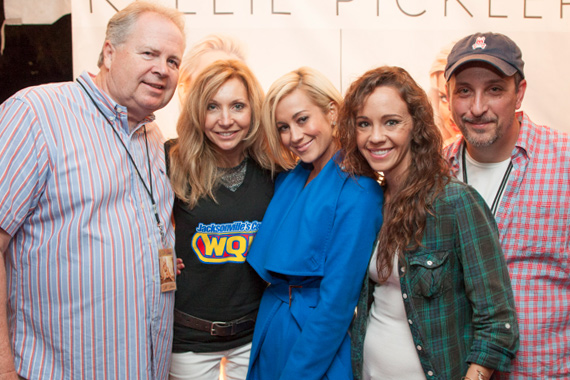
(222, 179)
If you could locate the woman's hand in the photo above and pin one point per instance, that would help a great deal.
(179, 266)
(477, 372)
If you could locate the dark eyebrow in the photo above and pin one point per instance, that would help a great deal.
(487, 83)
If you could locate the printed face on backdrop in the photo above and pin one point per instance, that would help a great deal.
(208, 58)
(304, 129)
(384, 132)
(483, 104)
(228, 118)
(143, 71)
(202, 62)
(449, 129)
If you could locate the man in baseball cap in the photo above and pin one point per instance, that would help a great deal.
(523, 172)
(496, 49)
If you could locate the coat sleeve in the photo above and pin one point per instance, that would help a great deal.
(487, 285)
(357, 221)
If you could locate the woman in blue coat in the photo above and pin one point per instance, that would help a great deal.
(315, 240)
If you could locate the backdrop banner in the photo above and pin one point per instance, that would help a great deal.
(19, 12)
(344, 38)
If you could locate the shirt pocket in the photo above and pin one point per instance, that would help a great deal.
(430, 273)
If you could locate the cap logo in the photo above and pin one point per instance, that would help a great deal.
(479, 43)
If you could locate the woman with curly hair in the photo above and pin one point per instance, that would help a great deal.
(221, 175)
(438, 303)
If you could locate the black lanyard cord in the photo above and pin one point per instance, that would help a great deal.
(149, 191)
(504, 181)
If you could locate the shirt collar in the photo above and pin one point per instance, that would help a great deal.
(527, 137)
(524, 144)
(108, 106)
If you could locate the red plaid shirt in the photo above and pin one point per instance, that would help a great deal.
(534, 223)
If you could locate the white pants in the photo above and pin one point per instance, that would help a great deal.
(223, 365)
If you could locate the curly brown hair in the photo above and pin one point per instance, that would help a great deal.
(406, 212)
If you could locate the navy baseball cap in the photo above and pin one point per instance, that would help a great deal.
(493, 48)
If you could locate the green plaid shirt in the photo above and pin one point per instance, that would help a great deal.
(456, 291)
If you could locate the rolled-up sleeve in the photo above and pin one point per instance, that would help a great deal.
(487, 285)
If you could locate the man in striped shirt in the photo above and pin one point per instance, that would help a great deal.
(523, 171)
(85, 207)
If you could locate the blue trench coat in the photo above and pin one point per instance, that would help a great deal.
(313, 248)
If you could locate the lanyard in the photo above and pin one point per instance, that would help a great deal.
(504, 181)
(148, 190)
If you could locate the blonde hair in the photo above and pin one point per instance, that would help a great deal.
(120, 25)
(194, 162)
(316, 86)
(439, 63)
(213, 42)
(437, 67)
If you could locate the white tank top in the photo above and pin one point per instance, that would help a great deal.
(486, 178)
(389, 350)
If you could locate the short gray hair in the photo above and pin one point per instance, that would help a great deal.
(121, 24)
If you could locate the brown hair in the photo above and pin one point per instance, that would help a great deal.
(193, 160)
(405, 214)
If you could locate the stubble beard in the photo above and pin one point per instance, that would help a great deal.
(480, 140)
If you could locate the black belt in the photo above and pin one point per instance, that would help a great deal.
(216, 328)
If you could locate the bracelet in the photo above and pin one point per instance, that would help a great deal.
(480, 375)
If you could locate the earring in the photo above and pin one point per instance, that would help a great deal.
(334, 124)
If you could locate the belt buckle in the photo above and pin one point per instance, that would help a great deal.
(291, 292)
(219, 325)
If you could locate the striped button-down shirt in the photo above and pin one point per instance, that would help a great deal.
(534, 224)
(82, 265)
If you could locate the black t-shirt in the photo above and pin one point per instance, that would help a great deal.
(213, 239)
